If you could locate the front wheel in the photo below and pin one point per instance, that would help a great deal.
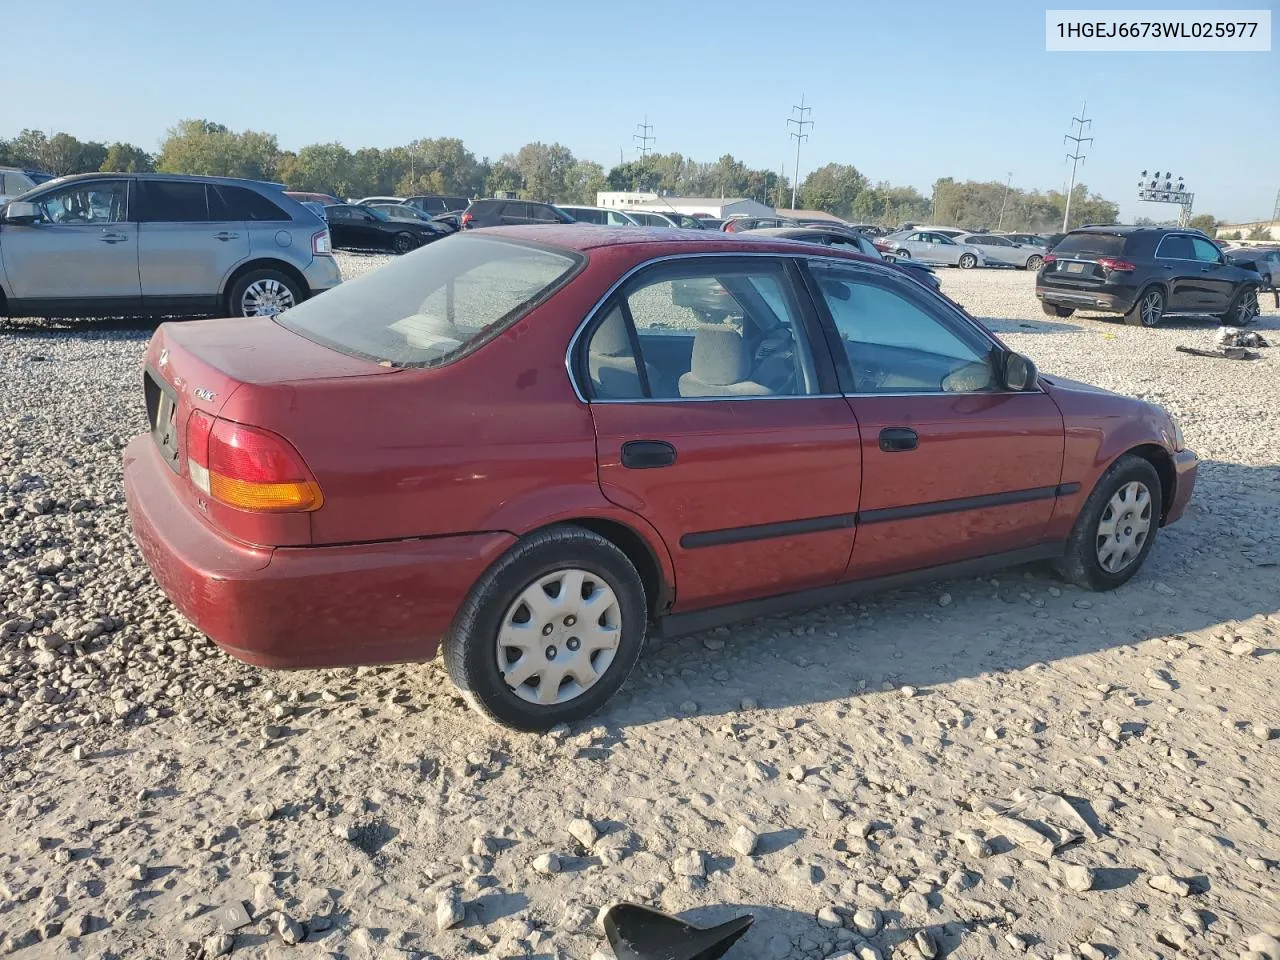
(903, 254)
(968, 261)
(403, 242)
(550, 632)
(1243, 309)
(1147, 310)
(1035, 262)
(263, 293)
(1116, 528)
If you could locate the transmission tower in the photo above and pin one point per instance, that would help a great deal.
(800, 136)
(1077, 156)
(1275, 214)
(644, 137)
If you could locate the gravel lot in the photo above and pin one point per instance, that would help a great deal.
(860, 777)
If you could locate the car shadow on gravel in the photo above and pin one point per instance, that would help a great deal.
(62, 328)
(1206, 571)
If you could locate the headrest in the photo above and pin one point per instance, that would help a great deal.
(719, 355)
(610, 338)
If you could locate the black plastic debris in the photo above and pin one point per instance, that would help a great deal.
(638, 933)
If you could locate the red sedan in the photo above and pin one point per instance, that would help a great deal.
(532, 445)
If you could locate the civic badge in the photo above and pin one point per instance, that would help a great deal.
(205, 395)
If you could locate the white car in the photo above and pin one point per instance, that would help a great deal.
(931, 246)
(367, 200)
(1001, 251)
(15, 182)
(599, 215)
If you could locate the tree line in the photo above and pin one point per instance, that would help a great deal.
(539, 171)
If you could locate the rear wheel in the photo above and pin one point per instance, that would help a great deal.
(263, 293)
(403, 242)
(1115, 530)
(550, 632)
(1035, 262)
(1055, 311)
(968, 261)
(1243, 309)
(1147, 309)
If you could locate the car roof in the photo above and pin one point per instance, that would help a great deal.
(582, 237)
(188, 177)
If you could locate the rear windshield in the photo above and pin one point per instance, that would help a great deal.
(435, 305)
(1091, 244)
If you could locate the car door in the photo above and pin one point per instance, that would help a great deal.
(943, 249)
(719, 423)
(83, 247)
(1216, 278)
(954, 466)
(339, 218)
(514, 212)
(1178, 267)
(183, 252)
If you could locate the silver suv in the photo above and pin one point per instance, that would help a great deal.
(155, 244)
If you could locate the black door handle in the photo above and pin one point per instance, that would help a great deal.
(898, 439)
(647, 454)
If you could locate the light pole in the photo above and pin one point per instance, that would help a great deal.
(1165, 188)
(1000, 224)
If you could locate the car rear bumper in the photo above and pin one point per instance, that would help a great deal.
(1185, 465)
(330, 606)
(1107, 299)
(322, 274)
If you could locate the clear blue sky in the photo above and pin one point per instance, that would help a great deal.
(906, 91)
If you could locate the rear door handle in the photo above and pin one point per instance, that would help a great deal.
(647, 454)
(898, 439)
(113, 238)
(226, 236)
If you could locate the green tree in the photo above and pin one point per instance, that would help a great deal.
(204, 147)
(126, 158)
(585, 178)
(637, 175)
(504, 177)
(1261, 232)
(1204, 221)
(833, 188)
(321, 168)
(442, 165)
(544, 171)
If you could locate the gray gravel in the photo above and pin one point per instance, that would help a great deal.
(858, 775)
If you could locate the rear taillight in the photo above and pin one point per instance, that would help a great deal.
(1111, 263)
(466, 219)
(248, 467)
(320, 244)
(1050, 258)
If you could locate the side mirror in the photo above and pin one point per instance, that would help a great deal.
(20, 212)
(1018, 372)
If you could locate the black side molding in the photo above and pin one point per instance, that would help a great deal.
(767, 531)
(886, 514)
(679, 624)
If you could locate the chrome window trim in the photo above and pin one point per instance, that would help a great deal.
(877, 268)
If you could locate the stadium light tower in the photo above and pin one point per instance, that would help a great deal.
(1157, 187)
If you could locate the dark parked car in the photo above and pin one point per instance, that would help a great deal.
(843, 238)
(1145, 273)
(497, 213)
(356, 227)
(431, 204)
(518, 445)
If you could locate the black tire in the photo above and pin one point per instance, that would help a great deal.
(1243, 310)
(236, 296)
(967, 261)
(403, 242)
(470, 648)
(1080, 563)
(1147, 310)
(903, 254)
(1055, 311)
(1035, 262)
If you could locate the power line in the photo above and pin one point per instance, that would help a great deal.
(1076, 157)
(644, 136)
(800, 136)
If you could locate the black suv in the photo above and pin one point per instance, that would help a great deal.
(495, 213)
(1145, 273)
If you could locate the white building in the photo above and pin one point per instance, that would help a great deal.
(721, 208)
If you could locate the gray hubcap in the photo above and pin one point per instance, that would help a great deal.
(1035, 263)
(1246, 309)
(1151, 309)
(1124, 527)
(967, 261)
(265, 298)
(559, 636)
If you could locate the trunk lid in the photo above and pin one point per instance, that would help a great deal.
(199, 365)
(1082, 259)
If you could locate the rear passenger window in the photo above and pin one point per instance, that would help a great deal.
(715, 331)
(1176, 247)
(241, 203)
(172, 201)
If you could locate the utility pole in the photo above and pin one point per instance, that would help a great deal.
(800, 137)
(1076, 157)
(1000, 224)
(644, 137)
(1275, 214)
